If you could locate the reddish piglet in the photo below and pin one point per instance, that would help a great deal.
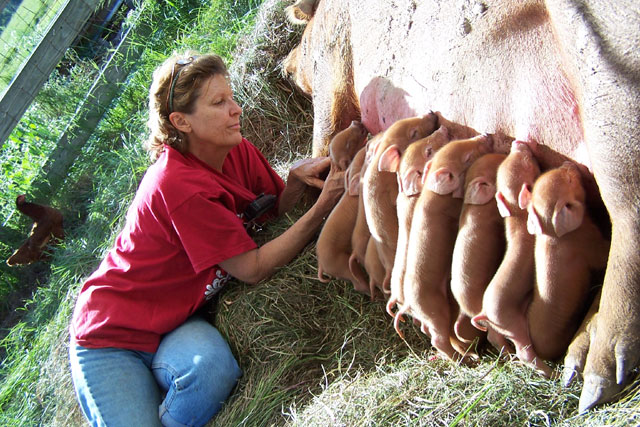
(346, 144)
(507, 297)
(568, 248)
(480, 244)
(433, 232)
(334, 242)
(381, 189)
(409, 167)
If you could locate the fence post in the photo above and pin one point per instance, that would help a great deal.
(42, 61)
(90, 111)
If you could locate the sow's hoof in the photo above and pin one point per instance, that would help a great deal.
(613, 352)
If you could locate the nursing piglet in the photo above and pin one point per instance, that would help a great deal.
(334, 242)
(381, 189)
(568, 248)
(506, 299)
(374, 269)
(361, 235)
(409, 167)
(433, 232)
(346, 144)
(480, 243)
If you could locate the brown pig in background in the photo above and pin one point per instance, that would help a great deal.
(568, 248)
(47, 225)
(480, 243)
(433, 232)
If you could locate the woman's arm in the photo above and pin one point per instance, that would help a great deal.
(260, 263)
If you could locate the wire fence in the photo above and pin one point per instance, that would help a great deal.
(35, 37)
(23, 24)
(38, 147)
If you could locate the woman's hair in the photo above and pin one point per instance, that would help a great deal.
(175, 87)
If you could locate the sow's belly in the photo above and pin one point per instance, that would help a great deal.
(498, 70)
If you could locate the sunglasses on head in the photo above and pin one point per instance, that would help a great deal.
(174, 78)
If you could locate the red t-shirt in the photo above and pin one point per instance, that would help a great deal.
(183, 221)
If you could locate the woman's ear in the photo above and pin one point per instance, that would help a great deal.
(180, 122)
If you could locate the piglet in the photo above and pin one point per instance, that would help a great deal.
(433, 232)
(507, 297)
(334, 242)
(409, 167)
(361, 235)
(480, 243)
(346, 144)
(381, 190)
(374, 268)
(568, 248)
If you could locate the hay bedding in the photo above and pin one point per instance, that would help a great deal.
(293, 335)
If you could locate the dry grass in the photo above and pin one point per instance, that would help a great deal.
(276, 117)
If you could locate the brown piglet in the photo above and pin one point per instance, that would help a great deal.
(569, 247)
(480, 243)
(426, 292)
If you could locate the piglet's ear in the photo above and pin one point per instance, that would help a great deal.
(533, 223)
(503, 207)
(411, 183)
(443, 181)
(480, 321)
(389, 159)
(479, 192)
(524, 198)
(372, 148)
(567, 217)
(425, 171)
(413, 133)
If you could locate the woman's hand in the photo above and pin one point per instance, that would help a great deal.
(303, 173)
(332, 190)
(257, 264)
(309, 171)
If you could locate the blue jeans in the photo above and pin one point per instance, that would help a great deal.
(184, 383)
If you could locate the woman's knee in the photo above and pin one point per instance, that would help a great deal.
(198, 370)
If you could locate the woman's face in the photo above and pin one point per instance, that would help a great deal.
(215, 120)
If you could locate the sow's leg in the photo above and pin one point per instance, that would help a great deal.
(602, 44)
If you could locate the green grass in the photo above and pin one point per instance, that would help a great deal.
(313, 354)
